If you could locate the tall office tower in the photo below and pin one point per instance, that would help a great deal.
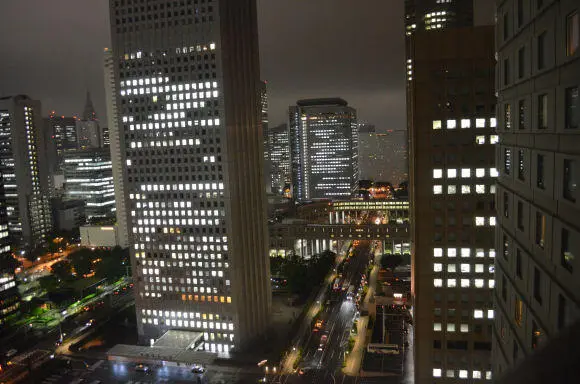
(24, 170)
(279, 150)
(89, 132)
(187, 82)
(367, 152)
(537, 269)
(452, 189)
(323, 149)
(9, 297)
(383, 156)
(88, 176)
(117, 161)
(61, 136)
(264, 120)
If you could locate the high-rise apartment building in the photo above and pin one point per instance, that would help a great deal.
(538, 200)
(88, 176)
(187, 96)
(324, 149)
(279, 153)
(452, 185)
(24, 170)
(116, 147)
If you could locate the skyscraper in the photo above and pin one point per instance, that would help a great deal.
(383, 156)
(279, 152)
(88, 176)
(324, 149)
(61, 136)
(89, 132)
(264, 121)
(187, 96)
(9, 297)
(538, 200)
(452, 185)
(116, 147)
(24, 171)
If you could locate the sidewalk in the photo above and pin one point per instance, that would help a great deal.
(353, 361)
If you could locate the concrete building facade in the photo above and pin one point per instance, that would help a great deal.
(538, 201)
(187, 95)
(323, 149)
(279, 156)
(452, 185)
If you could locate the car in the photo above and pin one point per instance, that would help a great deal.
(142, 368)
(198, 369)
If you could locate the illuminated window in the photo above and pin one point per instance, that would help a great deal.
(451, 268)
(493, 172)
(464, 283)
(451, 173)
(437, 327)
(450, 373)
(465, 189)
(451, 283)
(451, 189)
(438, 252)
(465, 123)
(437, 173)
(463, 374)
(436, 372)
(479, 123)
(492, 221)
(465, 268)
(437, 189)
(478, 314)
(480, 140)
(450, 327)
(493, 122)
(465, 252)
(464, 328)
(437, 283)
(437, 267)
(480, 188)
(465, 172)
(490, 313)
(479, 283)
(451, 252)
(494, 139)
(480, 172)
(437, 124)
(451, 124)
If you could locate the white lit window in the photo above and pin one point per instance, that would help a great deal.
(479, 283)
(437, 327)
(451, 252)
(465, 123)
(436, 372)
(493, 122)
(463, 374)
(465, 172)
(464, 283)
(465, 268)
(479, 221)
(465, 189)
(465, 252)
(450, 327)
(437, 189)
(491, 283)
(451, 189)
(128, 162)
(436, 124)
(451, 268)
(438, 252)
(480, 140)
(437, 283)
(492, 253)
(492, 221)
(464, 328)
(493, 172)
(480, 188)
(450, 373)
(451, 283)
(479, 268)
(476, 374)
(492, 189)
(494, 139)
(451, 173)
(437, 267)
(490, 313)
(451, 124)
(437, 173)
(487, 375)
(480, 172)
(479, 123)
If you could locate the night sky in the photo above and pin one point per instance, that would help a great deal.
(354, 49)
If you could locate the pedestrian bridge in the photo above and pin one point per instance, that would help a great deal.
(396, 232)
